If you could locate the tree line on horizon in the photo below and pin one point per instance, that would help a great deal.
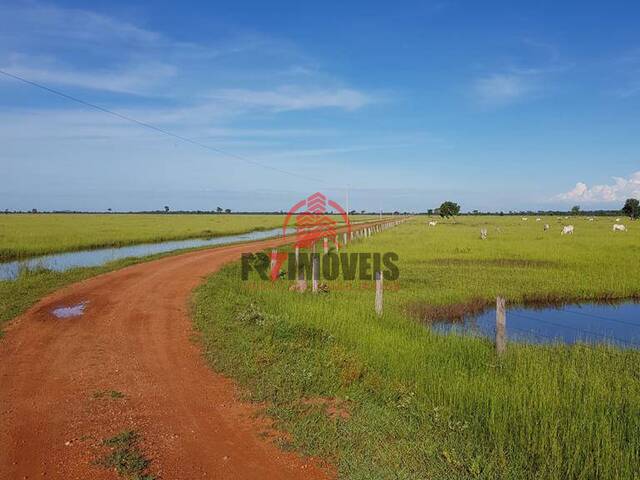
(631, 208)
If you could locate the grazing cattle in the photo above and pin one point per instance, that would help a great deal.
(483, 233)
(617, 219)
(538, 219)
(567, 230)
(546, 227)
(619, 228)
(591, 219)
(433, 224)
(524, 219)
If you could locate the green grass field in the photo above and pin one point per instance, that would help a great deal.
(422, 405)
(25, 235)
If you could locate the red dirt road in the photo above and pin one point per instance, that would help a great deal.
(135, 337)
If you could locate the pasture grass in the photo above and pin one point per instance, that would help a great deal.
(27, 235)
(423, 405)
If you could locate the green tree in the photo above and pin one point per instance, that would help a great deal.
(631, 207)
(449, 209)
(575, 210)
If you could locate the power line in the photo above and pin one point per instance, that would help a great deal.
(157, 129)
(599, 317)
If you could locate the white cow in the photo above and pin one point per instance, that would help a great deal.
(483, 233)
(567, 230)
(619, 228)
(546, 227)
(617, 219)
(433, 224)
(591, 219)
(524, 219)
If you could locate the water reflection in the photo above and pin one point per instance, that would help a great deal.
(589, 323)
(94, 258)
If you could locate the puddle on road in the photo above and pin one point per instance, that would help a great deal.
(69, 312)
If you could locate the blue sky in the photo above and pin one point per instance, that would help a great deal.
(496, 105)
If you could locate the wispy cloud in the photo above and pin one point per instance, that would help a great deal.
(58, 24)
(628, 67)
(619, 190)
(135, 79)
(295, 98)
(501, 89)
(84, 49)
(525, 76)
(327, 152)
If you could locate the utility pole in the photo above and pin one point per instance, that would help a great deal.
(347, 202)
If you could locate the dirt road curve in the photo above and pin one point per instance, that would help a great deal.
(134, 337)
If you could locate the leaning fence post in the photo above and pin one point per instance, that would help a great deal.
(501, 321)
(274, 256)
(379, 287)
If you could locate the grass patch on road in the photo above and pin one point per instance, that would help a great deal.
(422, 405)
(125, 457)
(108, 394)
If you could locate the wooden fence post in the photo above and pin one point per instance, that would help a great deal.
(379, 289)
(344, 237)
(501, 323)
(325, 245)
(274, 257)
(315, 267)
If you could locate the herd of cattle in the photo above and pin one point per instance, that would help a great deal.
(566, 229)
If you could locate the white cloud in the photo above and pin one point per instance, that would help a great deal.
(621, 189)
(328, 152)
(501, 89)
(296, 98)
(132, 79)
(80, 48)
